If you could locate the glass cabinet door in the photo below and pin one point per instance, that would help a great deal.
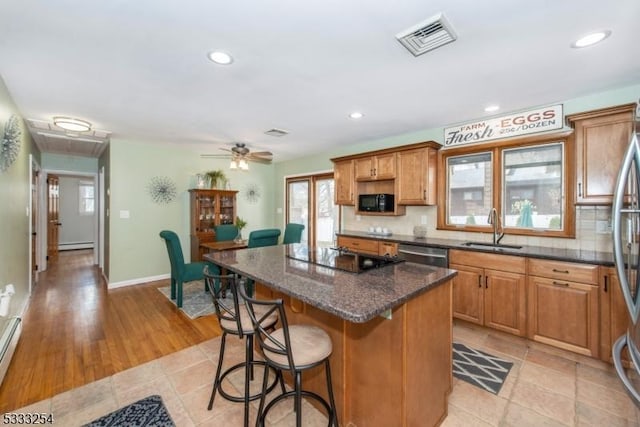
(206, 209)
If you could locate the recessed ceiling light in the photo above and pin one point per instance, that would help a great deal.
(591, 39)
(356, 115)
(220, 57)
(491, 108)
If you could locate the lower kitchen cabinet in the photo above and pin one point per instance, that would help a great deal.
(363, 246)
(561, 312)
(613, 312)
(490, 290)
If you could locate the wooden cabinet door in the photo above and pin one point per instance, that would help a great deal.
(615, 317)
(363, 246)
(385, 166)
(505, 301)
(381, 166)
(417, 177)
(343, 178)
(603, 131)
(364, 169)
(468, 293)
(564, 314)
(387, 248)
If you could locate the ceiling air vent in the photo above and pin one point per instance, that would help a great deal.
(428, 35)
(276, 132)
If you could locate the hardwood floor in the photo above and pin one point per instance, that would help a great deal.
(76, 331)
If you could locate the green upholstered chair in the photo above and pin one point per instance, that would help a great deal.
(292, 233)
(180, 271)
(266, 237)
(226, 232)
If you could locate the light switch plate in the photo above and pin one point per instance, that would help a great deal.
(124, 214)
(603, 227)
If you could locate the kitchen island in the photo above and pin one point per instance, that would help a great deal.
(391, 329)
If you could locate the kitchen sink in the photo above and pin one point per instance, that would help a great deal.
(491, 245)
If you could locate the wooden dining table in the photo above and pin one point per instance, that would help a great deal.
(225, 245)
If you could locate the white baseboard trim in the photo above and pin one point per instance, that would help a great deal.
(137, 281)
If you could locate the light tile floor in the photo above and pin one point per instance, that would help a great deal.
(546, 387)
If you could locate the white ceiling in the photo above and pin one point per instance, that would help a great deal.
(139, 69)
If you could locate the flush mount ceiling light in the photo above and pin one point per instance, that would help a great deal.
(356, 115)
(491, 108)
(221, 58)
(591, 39)
(71, 124)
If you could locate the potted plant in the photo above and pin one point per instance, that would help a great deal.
(215, 177)
(240, 224)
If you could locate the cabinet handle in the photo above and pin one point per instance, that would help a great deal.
(479, 280)
(374, 171)
(355, 243)
(371, 172)
(486, 282)
(579, 189)
(606, 283)
(555, 270)
(563, 284)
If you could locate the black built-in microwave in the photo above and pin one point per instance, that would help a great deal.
(375, 202)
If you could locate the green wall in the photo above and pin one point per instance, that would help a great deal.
(136, 251)
(14, 213)
(67, 163)
(321, 162)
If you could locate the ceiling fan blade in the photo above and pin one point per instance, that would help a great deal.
(261, 153)
(259, 160)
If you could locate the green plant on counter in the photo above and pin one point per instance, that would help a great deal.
(216, 177)
(471, 220)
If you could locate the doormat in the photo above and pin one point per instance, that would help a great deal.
(147, 412)
(196, 301)
(480, 369)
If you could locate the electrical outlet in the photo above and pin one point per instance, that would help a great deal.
(358, 218)
(423, 219)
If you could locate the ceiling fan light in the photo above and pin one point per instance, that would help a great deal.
(233, 165)
(71, 124)
(243, 165)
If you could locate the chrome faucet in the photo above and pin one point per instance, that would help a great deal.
(494, 220)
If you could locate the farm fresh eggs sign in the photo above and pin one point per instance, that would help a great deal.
(533, 121)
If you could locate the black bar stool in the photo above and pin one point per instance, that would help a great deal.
(292, 348)
(235, 320)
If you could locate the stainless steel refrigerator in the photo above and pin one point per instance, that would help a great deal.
(625, 220)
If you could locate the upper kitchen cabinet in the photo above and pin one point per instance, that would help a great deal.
(343, 178)
(408, 172)
(417, 176)
(373, 168)
(601, 137)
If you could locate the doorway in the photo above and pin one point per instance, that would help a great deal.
(74, 196)
(310, 201)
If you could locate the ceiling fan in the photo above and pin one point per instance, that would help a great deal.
(240, 154)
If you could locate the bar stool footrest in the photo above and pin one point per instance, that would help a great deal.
(292, 393)
(241, 365)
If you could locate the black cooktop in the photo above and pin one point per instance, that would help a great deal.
(339, 258)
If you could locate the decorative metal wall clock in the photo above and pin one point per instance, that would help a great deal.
(162, 189)
(252, 193)
(10, 147)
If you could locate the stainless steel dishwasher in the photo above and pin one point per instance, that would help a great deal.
(438, 257)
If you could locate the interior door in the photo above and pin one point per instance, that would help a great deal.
(53, 216)
(34, 226)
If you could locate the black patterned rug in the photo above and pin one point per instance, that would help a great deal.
(480, 369)
(196, 301)
(147, 412)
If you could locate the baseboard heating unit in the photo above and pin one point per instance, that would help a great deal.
(8, 343)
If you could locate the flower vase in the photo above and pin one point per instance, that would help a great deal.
(238, 238)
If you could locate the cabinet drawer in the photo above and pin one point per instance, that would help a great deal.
(514, 264)
(581, 273)
(359, 245)
(387, 248)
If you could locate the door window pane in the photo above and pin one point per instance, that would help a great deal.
(326, 213)
(86, 198)
(469, 184)
(298, 209)
(533, 187)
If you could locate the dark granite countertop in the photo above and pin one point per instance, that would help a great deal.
(350, 296)
(570, 255)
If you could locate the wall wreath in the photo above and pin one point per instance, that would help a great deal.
(10, 147)
(162, 189)
(252, 193)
